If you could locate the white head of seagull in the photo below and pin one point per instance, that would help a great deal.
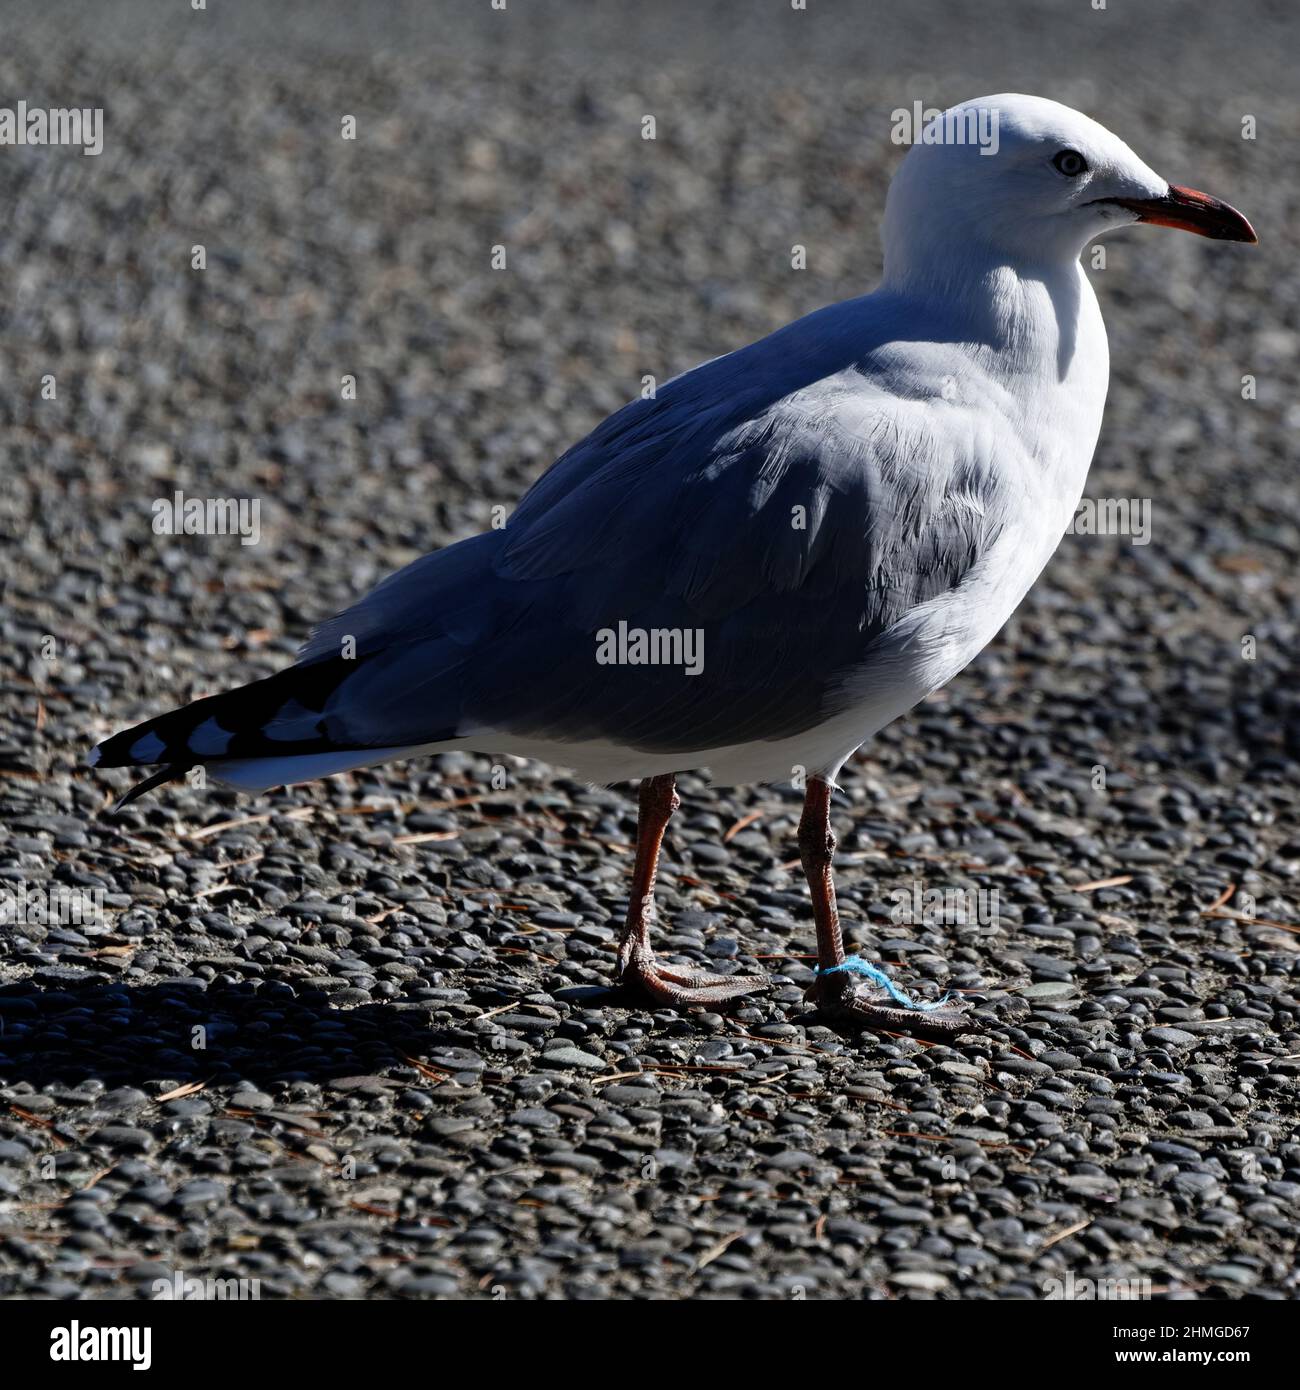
(1054, 181)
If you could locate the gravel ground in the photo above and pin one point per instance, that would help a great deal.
(411, 1075)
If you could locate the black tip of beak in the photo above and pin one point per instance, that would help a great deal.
(1193, 211)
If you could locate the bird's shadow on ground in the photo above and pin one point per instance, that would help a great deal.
(130, 1035)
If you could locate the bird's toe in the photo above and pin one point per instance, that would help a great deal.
(682, 986)
(843, 999)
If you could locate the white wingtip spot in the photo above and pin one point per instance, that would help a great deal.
(148, 748)
(209, 739)
(92, 758)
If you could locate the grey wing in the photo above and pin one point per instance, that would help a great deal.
(789, 541)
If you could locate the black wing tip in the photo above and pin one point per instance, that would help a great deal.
(115, 751)
(173, 772)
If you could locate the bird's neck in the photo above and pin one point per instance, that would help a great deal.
(1028, 315)
(1036, 348)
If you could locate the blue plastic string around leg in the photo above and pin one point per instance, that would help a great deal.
(855, 965)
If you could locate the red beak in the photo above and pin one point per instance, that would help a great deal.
(1192, 212)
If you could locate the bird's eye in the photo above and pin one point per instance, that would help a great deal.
(1070, 163)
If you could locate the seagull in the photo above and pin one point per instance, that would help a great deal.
(775, 555)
